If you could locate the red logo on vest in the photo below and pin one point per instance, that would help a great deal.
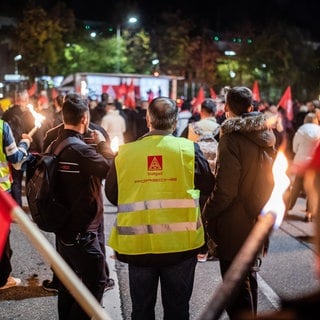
(154, 163)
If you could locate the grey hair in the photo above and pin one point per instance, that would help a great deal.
(163, 113)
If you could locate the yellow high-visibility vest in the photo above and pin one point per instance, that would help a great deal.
(158, 206)
(5, 175)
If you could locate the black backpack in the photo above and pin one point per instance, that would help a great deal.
(45, 207)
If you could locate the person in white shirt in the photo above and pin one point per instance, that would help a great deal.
(114, 123)
(304, 143)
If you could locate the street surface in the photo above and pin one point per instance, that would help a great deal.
(286, 271)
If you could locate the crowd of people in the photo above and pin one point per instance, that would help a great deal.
(179, 203)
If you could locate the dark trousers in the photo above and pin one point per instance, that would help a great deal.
(88, 261)
(176, 289)
(246, 298)
(102, 242)
(5, 263)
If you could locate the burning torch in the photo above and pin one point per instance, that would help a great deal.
(270, 218)
(115, 144)
(38, 119)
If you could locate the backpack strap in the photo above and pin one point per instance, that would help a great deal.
(65, 143)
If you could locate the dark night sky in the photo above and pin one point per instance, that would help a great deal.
(218, 15)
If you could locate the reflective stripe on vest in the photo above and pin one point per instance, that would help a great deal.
(160, 228)
(5, 175)
(158, 207)
(157, 204)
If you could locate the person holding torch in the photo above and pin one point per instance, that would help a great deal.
(10, 154)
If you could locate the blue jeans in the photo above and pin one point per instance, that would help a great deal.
(176, 289)
(16, 186)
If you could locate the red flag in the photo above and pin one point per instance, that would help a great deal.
(122, 91)
(6, 205)
(32, 90)
(286, 103)
(213, 95)
(198, 100)
(255, 91)
(54, 93)
(131, 101)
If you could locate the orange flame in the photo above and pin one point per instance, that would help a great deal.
(38, 117)
(275, 204)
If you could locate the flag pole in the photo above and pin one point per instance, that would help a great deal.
(67, 276)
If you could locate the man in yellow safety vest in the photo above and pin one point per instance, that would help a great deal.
(156, 182)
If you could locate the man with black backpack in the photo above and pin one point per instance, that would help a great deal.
(81, 170)
(51, 135)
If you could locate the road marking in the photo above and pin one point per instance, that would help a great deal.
(269, 293)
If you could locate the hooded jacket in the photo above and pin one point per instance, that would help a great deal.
(241, 139)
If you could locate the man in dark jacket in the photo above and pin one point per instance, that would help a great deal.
(50, 136)
(81, 170)
(158, 230)
(242, 135)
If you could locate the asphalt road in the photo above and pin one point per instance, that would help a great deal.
(286, 271)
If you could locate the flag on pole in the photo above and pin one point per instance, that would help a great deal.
(198, 100)
(286, 103)
(213, 95)
(255, 91)
(131, 101)
(32, 90)
(122, 91)
(7, 204)
(54, 93)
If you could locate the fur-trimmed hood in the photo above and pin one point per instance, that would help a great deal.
(253, 125)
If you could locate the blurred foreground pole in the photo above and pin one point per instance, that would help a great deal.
(71, 281)
(242, 263)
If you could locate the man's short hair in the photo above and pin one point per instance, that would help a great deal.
(73, 109)
(209, 105)
(163, 113)
(239, 99)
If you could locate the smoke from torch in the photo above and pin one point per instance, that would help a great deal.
(38, 119)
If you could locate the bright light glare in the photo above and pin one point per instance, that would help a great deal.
(38, 117)
(133, 20)
(275, 204)
(114, 144)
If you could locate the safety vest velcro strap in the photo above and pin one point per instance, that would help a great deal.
(5, 178)
(159, 228)
(158, 204)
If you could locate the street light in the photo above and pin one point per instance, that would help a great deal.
(16, 59)
(131, 20)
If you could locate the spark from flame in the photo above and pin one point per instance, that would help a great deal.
(115, 144)
(38, 117)
(275, 204)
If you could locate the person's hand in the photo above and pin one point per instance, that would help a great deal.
(97, 136)
(25, 136)
(27, 139)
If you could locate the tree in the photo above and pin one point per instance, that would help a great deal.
(138, 50)
(39, 39)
